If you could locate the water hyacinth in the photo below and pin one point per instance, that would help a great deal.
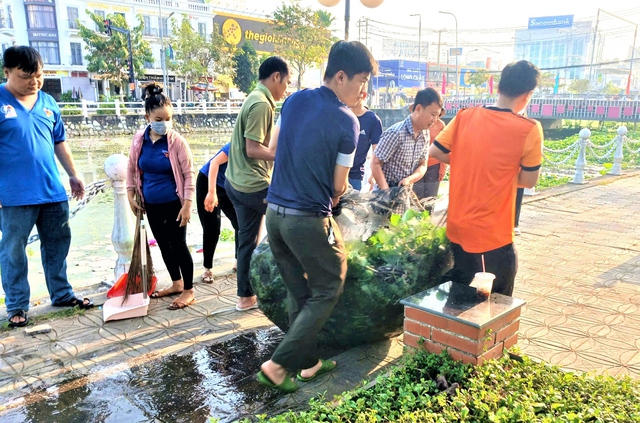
(406, 256)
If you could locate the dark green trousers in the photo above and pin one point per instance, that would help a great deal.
(313, 272)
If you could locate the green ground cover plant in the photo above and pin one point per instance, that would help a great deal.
(509, 389)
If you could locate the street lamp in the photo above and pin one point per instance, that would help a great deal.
(162, 58)
(457, 67)
(419, 45)
(466, 58)
(347, 10)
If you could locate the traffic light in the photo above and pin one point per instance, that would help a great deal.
(107, 27)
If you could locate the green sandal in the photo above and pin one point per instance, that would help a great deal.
(287, 386)
(326, 367)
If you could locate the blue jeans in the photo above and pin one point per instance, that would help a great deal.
(16, 223)
(355, 184)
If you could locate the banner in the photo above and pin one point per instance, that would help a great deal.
(546, 22)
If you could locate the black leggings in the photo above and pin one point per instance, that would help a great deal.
(211, 221)
(172, 240)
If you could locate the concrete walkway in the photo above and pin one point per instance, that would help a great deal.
(579, 272)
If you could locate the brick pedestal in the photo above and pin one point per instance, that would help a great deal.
(452, 317)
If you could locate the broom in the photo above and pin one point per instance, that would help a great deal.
(135, 276)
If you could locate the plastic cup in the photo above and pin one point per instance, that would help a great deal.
(484, 283)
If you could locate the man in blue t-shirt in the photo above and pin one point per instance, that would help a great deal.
(370, 131)
(316, 140)
(31, 136)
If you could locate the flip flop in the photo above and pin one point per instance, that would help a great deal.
(207, 277)
(287, 386)
(164, 293)
(326, 367)
(251, 307)
(76, 302)
(19, 313)
(177, 305)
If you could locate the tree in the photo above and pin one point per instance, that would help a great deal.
(198, 58)
(246, 63)
(611, 89)
(579, 86)
(547, 82)
(109, 55)
(305, 38)
(479, 80)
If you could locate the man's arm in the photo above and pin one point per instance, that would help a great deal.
(417, 174)
(528, 178)
(255, 150)
(377, 173)
(63, 153)
(340, 182)
(438, 154)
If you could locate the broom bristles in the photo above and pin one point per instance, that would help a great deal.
(134, 276)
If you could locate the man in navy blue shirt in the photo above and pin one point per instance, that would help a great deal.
(370, 131)
(316, 141)
(31, 136)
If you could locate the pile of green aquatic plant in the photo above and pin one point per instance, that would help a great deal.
(509, 389)
(407, 256)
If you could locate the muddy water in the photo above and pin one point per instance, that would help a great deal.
(216, 381)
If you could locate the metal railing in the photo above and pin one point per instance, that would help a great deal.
(88, 108)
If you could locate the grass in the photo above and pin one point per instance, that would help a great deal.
(58, 314)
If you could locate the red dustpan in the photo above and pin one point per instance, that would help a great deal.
(135, 305)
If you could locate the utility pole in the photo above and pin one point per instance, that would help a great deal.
(438, 59)
(419, 47)
(366, 33)
(347, 16)
(593, 50)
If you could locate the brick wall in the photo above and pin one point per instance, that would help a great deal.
(464, 342)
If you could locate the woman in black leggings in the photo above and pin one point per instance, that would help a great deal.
(211, 199)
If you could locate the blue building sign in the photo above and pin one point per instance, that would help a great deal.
(399, 73)
(546, 22)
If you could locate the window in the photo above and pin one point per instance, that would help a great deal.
(148, 65)
(41, 17)
(72, 14)
(165, 26)
(121, 14)
(48, 50)
(1, 18)
(202, 29)
(101, 15)
(9, 17)
(76, 54)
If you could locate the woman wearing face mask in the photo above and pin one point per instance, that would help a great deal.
(160, 170)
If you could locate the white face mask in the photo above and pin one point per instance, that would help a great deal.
(161, 127)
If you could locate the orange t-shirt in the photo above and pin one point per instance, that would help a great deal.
(435, 129)
(488, 148)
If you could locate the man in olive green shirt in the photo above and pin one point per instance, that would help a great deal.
(249, 170)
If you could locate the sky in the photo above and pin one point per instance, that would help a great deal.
(498, 18)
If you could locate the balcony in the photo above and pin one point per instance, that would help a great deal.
(150, 32)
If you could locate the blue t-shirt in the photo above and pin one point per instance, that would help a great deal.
(158, 183)
(370, 131)
(29, 174)
(316, 132)
(222, 169)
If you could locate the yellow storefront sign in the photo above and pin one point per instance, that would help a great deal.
(104, 6)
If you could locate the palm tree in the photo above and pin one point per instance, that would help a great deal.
(325, 18)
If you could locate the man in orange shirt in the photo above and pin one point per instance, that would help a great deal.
(492, 151)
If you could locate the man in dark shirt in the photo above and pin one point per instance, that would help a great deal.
(315, 149)
(370, 131)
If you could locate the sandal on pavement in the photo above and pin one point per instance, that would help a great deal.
(18, 313)
(164, 293)
(207, 277)
(287, 386)
(82, 303)
(251, 307)
(177, 305)
(326, 367)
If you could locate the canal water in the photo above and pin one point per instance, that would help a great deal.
(92, 257)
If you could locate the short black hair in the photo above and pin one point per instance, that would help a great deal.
(518, 78)
(22, 57)
(154, 97)
(272, 65)
(427, 97)
(351, 57)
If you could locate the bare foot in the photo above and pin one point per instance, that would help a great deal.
(186, 297)
(275, 372)
(246, 303)
(176, 288)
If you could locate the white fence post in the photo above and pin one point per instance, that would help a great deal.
(228, 106)
(618, 155)
(179, 104)
(204, 105)
(581, 162)
(117, 104)
(115, 166)
(85, 109)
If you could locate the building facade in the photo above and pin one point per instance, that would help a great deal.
(52, 27)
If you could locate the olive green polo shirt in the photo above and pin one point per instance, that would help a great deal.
(254, 122)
